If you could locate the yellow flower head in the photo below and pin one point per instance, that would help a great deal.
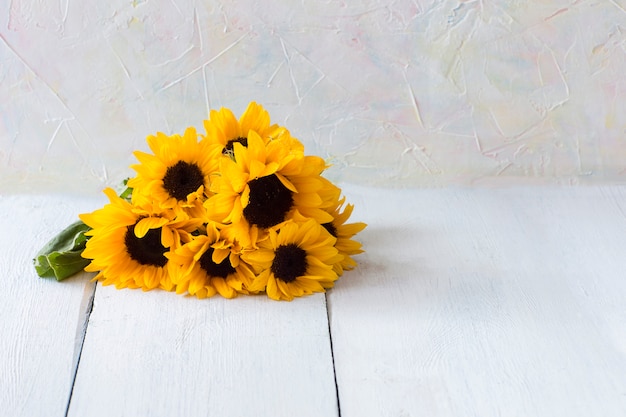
(176, 175)
(128, 244)
(206, 265)
(344, 234)
(263, 183)
(223, 130)
(295, 260)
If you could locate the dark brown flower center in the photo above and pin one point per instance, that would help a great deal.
(289, 262)
(221, 270)
(330, 227)
(229, 149)
(146, 250)
(182, 179)
(269, 203)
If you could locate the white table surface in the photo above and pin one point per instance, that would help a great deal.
(467, 302)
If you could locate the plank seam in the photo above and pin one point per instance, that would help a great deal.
(83, 335)
(332, 354)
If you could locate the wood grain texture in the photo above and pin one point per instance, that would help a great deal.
(160, 354)
(468, 302)
(42, 321)
(484, 302)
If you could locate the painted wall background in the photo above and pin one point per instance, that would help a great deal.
(407, 93)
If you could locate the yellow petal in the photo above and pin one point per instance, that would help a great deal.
(147, 223)
(287, 183)
(219, 255)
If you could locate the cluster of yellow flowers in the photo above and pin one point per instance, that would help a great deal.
(239, 209)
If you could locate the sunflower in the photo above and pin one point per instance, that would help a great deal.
(223, 130)
(176, 175)
(127, 244)
(295, 260)
(258, 188)
(344, 233)
(206, 265)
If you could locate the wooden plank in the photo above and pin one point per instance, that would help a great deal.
(43, 320)
(484, 302)
(160, 354)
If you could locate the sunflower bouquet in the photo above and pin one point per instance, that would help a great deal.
(239, 209)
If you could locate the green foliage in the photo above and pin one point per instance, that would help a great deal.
(61, 257)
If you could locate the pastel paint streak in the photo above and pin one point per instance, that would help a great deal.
(412, 93)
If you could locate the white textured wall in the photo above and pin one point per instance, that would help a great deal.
(414, 92)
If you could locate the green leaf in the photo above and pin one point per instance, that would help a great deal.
(128, 192)
(61, 256)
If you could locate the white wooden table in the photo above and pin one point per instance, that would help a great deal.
(468, 302)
